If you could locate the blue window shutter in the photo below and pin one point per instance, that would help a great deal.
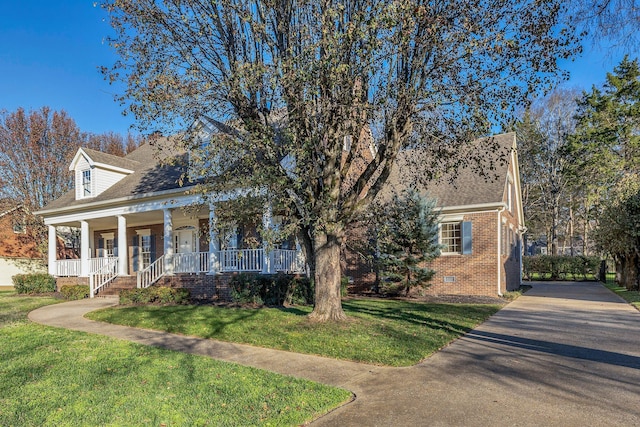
(466, 238)
(100, 253)
(136, 253)
(152, 240)
(115, 247)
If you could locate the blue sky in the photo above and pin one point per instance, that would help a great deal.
(50, 52)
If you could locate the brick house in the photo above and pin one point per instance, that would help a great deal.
(481, 224)
(19, 253)
(141, 222)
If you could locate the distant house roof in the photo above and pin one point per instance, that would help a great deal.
(466, 186)
(150, 175)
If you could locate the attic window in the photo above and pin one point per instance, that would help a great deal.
(346, 145)
(19, 227)
(86, 182)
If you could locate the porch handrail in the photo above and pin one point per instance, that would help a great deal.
(191, 262)
(102, 276)
(288, 260)
(68, 268)
(151, 274)
(241, 259)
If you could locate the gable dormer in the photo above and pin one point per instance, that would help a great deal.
(94, 172)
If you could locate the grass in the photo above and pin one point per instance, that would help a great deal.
(383, 332)
(632, 297)
(51, 376)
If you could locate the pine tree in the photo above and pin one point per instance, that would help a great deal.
(406, 238)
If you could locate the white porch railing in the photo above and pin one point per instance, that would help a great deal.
(195, 262)
(241, 260)
(96, 264)
(151, 274)
(229, 260)
(67, 268)
(103, 275)
(288, 260)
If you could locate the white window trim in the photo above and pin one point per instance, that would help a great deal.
(84, 185)
(440, 240)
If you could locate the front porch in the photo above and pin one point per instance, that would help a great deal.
(104, 270)
(159, 240)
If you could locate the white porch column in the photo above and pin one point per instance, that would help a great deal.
(122, 246)
(267, 218)
(214, 267)
(53, 250)
(168, 242)
(84, 249)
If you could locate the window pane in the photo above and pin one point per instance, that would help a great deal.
(451, 237)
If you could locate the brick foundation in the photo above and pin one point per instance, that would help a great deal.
(201, 286)
(61, 281)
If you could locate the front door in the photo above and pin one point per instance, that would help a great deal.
(185, 258)
(184, 242)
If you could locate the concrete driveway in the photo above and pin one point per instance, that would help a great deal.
(564, 354)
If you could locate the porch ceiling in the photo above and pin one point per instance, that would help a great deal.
(180, 216)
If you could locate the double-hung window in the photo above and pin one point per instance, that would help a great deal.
(86, 182)
(455, 237)
(451, 237)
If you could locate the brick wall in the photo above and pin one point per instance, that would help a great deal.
(201, 286)
(61, 281)
(474, 274)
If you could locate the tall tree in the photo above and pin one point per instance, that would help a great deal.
(36, 148)
(606, 144)
(112, 143)
(295, 79)
(619, 232)
(543, 134)
(605, 149)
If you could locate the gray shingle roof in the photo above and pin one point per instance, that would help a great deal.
(465, 186)
(110, 159)
(150, 174)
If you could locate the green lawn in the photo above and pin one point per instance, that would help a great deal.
(385, 332)
(51, 376)
(632, 297)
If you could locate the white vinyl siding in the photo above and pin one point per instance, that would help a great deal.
(104, 179)
(101, 179)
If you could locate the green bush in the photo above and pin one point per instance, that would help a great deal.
(155, 295)
(560, 267)
(279, 289)
(74, 292)
(36, 283)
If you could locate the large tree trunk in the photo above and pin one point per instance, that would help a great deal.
(326, 255)
(627, 272)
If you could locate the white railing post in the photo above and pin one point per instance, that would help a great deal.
(52, 250)
(122, 246)
(84, 249)
(168, 241)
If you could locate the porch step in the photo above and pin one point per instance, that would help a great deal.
(118, 284)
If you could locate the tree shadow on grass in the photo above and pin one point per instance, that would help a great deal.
(421, 314)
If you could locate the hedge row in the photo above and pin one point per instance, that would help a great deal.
(277, 289)
(36, 283)
(155, 295)
(560, 267)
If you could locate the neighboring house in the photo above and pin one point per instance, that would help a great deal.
(481, 225)
(139, 226)
(18, 249)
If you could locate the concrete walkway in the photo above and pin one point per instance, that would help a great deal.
(564, 354)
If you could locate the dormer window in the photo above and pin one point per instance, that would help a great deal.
(86, 182)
